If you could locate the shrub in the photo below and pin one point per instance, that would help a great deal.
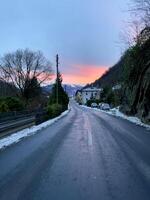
(3, 107)
(54, 110)
(12, 103)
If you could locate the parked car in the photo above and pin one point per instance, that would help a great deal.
(105, 106)
(99, 105)
(94, 105)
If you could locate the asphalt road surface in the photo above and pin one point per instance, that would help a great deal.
(87, 155)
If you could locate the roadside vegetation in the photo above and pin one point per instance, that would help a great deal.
(22, 74)
(8, 104)
(57, 104)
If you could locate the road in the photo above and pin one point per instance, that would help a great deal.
(87, 155)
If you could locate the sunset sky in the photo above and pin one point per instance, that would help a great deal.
(82, 74)
(85, 33)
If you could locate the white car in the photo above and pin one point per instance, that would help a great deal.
(105, 106)
(94, 105)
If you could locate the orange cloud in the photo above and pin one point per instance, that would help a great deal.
(83, 74)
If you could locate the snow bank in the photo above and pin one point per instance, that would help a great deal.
(117, 113)
(16, 137)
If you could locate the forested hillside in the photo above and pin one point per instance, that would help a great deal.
(133, 73)
(111, 77)
(136, 82)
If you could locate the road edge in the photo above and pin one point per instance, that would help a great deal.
(19, 135)
(115, 112)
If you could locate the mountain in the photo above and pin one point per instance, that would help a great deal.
(111, 77)
(69, 88)
(47, 89)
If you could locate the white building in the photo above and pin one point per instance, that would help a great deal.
(90, 93)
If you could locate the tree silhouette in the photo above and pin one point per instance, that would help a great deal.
(62, 95)
(25, 70)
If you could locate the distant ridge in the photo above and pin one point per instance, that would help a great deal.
(69, 88)
(111, 77)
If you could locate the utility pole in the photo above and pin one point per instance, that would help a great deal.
(57, 77)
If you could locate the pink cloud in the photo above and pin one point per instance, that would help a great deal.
(79, 74)
(83, 74)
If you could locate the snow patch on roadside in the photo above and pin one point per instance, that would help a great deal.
(16, 137)
(117, 113)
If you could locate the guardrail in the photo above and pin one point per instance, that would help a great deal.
(15, 121)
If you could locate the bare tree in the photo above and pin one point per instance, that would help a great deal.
(141, 9)
(137, 31)
(21, 67)
(130, 35)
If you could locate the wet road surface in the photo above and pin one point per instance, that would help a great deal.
(87, 155)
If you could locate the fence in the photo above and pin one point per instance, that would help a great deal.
(14, 121)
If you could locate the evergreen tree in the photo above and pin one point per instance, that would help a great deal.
(62, 95)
